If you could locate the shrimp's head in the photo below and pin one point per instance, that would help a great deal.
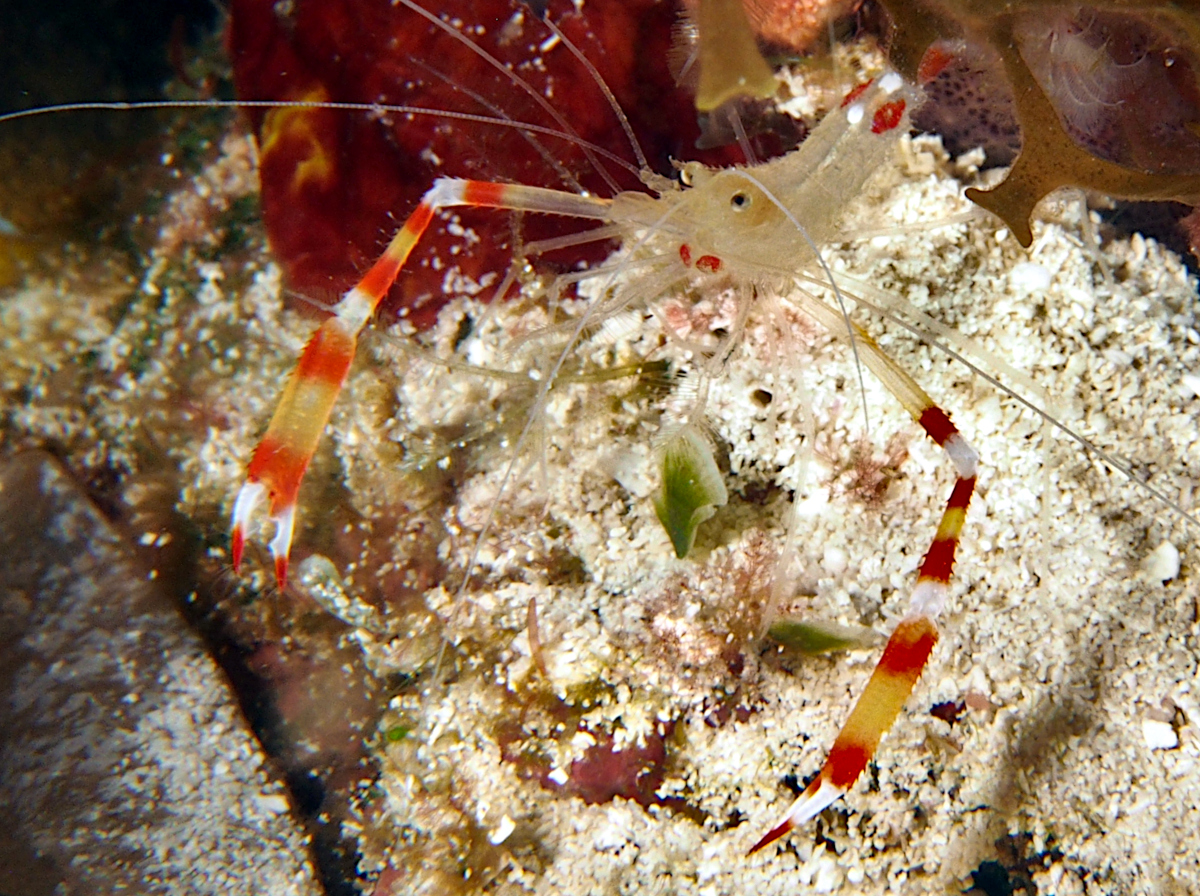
(731, 214)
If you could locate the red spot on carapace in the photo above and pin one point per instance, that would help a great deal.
(855, 93)
(887, 117)
(933, 63)
(685, 254)
(710, 264)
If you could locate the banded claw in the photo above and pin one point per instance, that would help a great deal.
(250, 495)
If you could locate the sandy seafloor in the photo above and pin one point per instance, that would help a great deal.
(1081, 746)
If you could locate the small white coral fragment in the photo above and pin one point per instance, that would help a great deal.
(1162, 564)
(1159, 735)
(559, 776)
(502, 832)
(1028, 276)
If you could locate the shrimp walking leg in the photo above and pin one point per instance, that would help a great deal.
(912, 642)
(285, 450)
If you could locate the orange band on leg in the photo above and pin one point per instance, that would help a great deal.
(906, 653)
(904, 657)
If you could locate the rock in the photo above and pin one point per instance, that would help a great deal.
(125, 762)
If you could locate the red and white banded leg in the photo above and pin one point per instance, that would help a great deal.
(287, 447)
(908, 649)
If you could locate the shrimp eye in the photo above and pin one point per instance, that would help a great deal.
(739, 201)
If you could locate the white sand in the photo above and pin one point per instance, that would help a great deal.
(1058, 618)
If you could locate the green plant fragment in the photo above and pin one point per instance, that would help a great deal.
(397, 733)
(816, 637)
(692, 488)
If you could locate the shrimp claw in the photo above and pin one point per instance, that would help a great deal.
(903, 658)
(285, 450)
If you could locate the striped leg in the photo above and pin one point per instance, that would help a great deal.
(912, 642)
(283, 454)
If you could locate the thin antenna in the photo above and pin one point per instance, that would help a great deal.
(1083, 441)
(536, 408)
(377, 109)
(603, 85)
(735, 121)
(519, 82)
(564, 175)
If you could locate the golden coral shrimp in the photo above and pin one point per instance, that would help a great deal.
(752, 225)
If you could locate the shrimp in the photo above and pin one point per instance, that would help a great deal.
(745, 224)
(726, 272)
